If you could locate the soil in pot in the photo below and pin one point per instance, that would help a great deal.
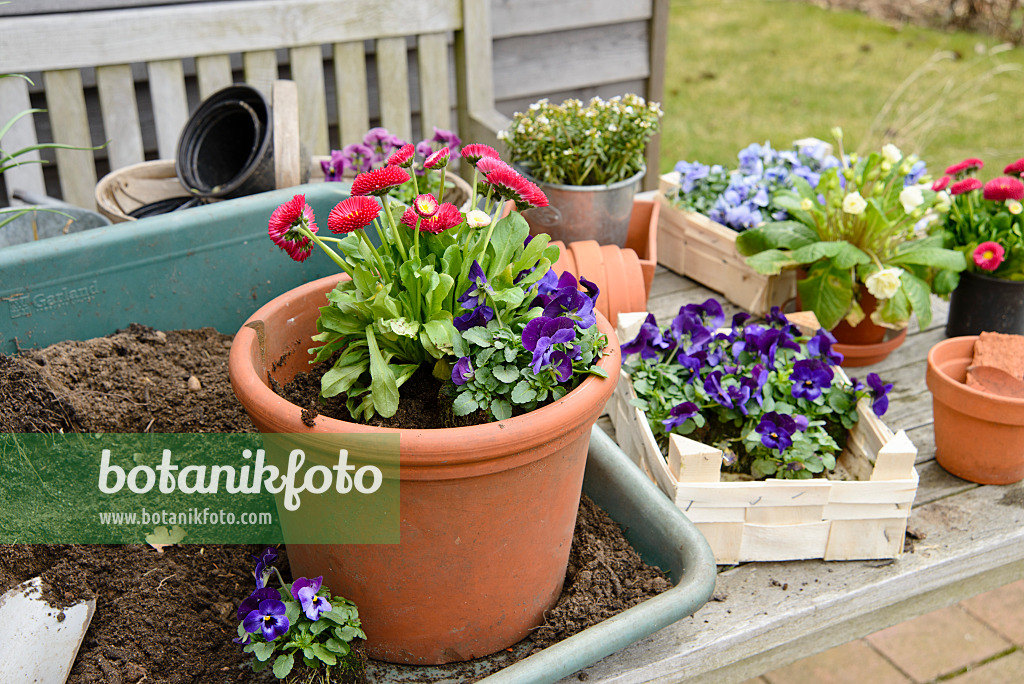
(170, 617)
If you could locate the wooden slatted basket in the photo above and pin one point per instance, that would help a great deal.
(772, 520)
(693, 245)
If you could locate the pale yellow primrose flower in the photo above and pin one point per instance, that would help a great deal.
(478, 219)
(884, 283)
(891, 153)
(1014, 207)
(854, 204)
(911, 198)
(806, 204)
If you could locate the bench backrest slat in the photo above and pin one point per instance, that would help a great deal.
(351, 90)
(120, 113)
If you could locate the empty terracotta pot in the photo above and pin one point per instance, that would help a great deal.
(978, 436)
(487, 511)
(617, 272)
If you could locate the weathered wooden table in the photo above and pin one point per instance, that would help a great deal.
(765, 615)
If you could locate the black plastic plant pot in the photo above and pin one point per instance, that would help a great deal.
(227, 147)
(165, 206)
(982, 303)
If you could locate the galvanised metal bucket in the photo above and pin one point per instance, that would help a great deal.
(586, 212)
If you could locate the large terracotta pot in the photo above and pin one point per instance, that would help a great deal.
(978, 436)
(487, 511)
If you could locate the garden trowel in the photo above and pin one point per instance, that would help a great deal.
(40, 642)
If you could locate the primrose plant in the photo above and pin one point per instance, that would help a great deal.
(469, 297)
(764, 394)
(306, 622)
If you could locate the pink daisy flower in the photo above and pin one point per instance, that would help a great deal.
(447, 216)
(403, 157)
(353, 214)
(379, 181)
(438, 160)
(512, 186)
(281, 227)
(965, 185)
(487, 164)
(966, 166)
(941, 184)
(477, 151)
(425, 205)
(1016, 168)
(989, 255)
(1004, 188)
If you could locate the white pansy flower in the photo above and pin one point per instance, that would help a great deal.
(891, 153)
(911, 198)
(884, 283)
(854, 204)
(478, 219)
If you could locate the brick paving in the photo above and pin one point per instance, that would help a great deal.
(977, 641)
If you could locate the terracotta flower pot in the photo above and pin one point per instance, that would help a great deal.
(866, 343)
(978, 436)
(865, 332)
(487, 511)
(618, 274)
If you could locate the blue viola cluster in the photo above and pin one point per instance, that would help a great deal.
(263, 611)
(742, 198)
(763, 393)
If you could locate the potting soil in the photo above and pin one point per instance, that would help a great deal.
(169, 618)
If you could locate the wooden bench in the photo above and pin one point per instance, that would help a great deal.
(154, 48)
(129, 73)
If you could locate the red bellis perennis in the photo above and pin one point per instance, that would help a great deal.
(1015, 169)
(512, 186)
(281, 227)
(353, 214)
(1004, 188)
(447, 216)
(476, 151)
(403, 157)
(965, 185)
(964, 167)
(379, 181)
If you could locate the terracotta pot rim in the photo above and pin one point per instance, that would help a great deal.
(445, 446)
(966, 399)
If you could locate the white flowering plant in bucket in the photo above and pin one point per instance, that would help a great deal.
(871, 225)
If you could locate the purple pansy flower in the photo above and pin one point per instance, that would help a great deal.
(479, 288)
(810, 377)
(268, 618)
(255, 598)
(463, 371)
(540, 335)
(680, 413)
(776, 430)
(880, 392)
(648, 341)
(713, 386)
(305, 592)
(567, 300)
(471, 319)
(263, 570)
(821, 346)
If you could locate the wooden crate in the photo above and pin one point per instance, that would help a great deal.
(693, 245)
(774, 519)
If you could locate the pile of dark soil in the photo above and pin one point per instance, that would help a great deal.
(169, 618)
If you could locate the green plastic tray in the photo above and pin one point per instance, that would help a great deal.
(207, 266)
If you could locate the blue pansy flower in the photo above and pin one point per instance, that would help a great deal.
(679, 414)
(776, 430)
(269, 619)
(810, 377)
(880, 393)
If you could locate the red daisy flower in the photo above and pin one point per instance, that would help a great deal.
(403, 157)
(475, 152)
(425, 205)
(1004, 188)
(447, 216)
(966, 166)
(988, 255)
(281, 227)
(512, 186)
(438, 160)
(1014, 169)
(488, 164)
(965, 185)
(379, 181)
(353, 214)
(941, 183)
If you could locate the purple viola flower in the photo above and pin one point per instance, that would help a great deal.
(447, 138)
(693, 362)
(463, 371)
(776, 430)
(801, 422)
(547, 284)
(263, 562)
(679, 414)
(776, 318)
(255, 598)
(540, 335)
(879, 392)
(739, 395)
(424, 149)
(358, 157)
(567, 300)
(738, 320)
(857, 384)
(711, 311)
(471, 319)
(713, 386)
(305, 592)
(916, 171)
(268, 618)
(334, 167)
(649, 342)
(770, 341)
(810, 377)
(479, 288)
(687, 326)
(820, 346)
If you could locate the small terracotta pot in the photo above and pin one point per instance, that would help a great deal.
(978, 436)
(865, 332)
(856, 355)
(487, 511)
(866, 343)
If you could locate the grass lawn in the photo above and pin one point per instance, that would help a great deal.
(742, 71)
